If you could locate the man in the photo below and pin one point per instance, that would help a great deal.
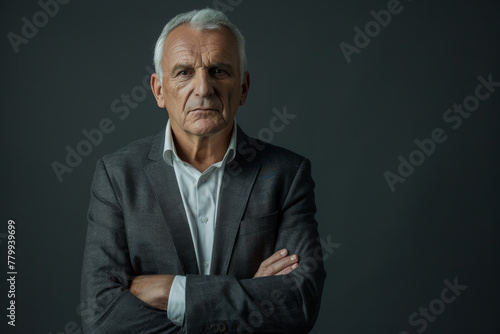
(200, 229)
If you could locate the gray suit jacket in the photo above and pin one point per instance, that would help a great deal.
(138, 226)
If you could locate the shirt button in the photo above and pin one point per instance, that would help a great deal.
(202, 180)
(205, 264)
(204, 220)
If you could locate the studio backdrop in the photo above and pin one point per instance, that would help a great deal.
(396, 104)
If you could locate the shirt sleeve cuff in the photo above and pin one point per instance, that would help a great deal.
(177, 300)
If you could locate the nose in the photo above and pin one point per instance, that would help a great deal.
(203, 85)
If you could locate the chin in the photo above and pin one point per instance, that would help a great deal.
(206, 127)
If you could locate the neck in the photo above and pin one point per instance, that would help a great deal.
(202, 152)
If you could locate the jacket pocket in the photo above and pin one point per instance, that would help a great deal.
(263, 224)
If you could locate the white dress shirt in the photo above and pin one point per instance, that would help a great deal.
(200, 196)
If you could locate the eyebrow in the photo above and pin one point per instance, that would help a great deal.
(225, 66)
(181, 66)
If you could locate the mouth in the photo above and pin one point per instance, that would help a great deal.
(204, 109)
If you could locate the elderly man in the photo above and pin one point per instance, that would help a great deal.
(201, 229)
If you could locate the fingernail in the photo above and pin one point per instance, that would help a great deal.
(295, 266)
(293, 257)
(283, 252)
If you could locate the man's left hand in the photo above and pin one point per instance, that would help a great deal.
(278, 264)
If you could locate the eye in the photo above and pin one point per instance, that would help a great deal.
(219, 72)
(183, 73)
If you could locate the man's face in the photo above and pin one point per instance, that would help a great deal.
(202, 87)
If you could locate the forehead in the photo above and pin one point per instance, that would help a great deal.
(185, 45)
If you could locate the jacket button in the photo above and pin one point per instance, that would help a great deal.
(214, 329)
(222, 327)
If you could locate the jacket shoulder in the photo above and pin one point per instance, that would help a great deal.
(132, 154)
(251, 148)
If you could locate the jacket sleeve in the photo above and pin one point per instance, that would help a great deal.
(107, 304)
(275, 304)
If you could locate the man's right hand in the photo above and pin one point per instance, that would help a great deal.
(278, 264)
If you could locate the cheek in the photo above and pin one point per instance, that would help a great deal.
(230, 93)
(235, 98)
(176, 98)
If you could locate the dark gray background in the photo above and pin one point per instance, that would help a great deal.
(353, 121)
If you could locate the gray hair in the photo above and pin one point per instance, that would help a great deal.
(204, 19)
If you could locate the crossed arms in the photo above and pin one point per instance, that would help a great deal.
(280, 297)
(155, 289)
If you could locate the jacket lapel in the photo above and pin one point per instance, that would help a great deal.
(233, 197)
(162, 179)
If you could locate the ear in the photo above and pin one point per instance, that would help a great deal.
(157, 90)
(245, 86)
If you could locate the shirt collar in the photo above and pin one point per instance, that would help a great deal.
(169, 151)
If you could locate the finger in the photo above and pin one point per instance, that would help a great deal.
(275, 257)
(277, 266)
(287, 270)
